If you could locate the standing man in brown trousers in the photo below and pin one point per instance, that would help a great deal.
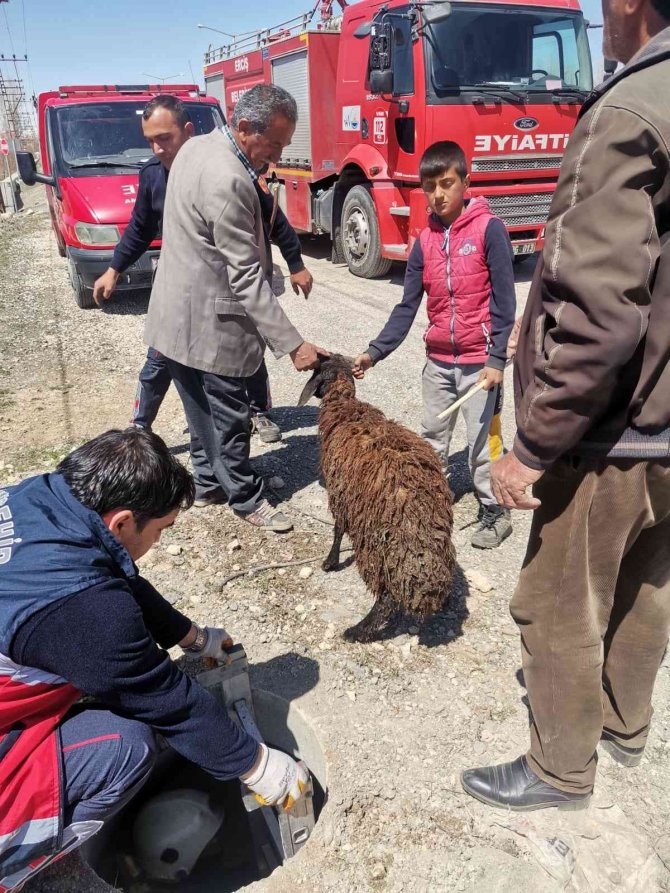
(593, 417)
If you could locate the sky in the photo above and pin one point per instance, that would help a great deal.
(115, 42)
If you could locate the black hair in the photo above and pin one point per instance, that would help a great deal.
(131, 469)
(662, 7)
(172, 104)
(440, 157)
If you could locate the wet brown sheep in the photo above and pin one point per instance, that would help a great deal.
(387, 491)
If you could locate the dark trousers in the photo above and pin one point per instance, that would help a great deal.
(154, 380)
(219, 415)
(593, 608)
(106, 760)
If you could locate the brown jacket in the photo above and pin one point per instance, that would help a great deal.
(593, 365)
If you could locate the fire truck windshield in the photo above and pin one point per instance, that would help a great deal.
(105, 135)
(508, 50)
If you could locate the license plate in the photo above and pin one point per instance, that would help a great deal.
(526, 248)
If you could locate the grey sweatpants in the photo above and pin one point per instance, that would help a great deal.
(442, 385)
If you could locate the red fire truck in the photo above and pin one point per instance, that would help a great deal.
(380, 83)
(92, 147)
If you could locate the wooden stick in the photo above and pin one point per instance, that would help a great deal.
(461, 400)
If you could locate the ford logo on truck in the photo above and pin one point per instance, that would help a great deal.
(526, 123)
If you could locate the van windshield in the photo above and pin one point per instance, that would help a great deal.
(519, 51)
(109, 134)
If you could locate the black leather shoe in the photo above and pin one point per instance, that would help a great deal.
(515, 786)
(626, 756)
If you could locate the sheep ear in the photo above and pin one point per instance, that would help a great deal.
(310, 388)
(349, 361)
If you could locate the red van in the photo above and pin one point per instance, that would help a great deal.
(92, 148)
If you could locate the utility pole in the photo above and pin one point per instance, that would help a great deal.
(14, 117)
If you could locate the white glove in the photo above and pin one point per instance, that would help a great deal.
(216, 641)
(279, 779)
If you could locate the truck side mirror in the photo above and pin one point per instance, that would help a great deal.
(436, 11)
(363, 30)
(28, 170)
(381, 80)
(610, 67)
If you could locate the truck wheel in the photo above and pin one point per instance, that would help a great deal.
(361, 243)
(82, 295)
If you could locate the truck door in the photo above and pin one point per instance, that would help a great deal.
(401, 125)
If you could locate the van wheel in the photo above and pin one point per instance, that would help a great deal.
(361, 243)
(82, 295)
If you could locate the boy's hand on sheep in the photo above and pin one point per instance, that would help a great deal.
(362, 363)
(491, 377)
(308, 356)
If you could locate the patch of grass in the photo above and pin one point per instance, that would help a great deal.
(38, 458)
(6, 399)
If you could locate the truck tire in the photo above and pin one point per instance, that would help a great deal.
(82, 295)
(361, 242)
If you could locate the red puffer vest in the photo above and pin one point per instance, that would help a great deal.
(457, 282)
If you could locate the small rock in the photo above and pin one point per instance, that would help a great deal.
(233, 606)
(237, 567)
(306, 572)
(486, 735)
(478, 581)
(234, 545)
(276, 482)
(173, 549)
(351, 695)
(378, 872)
(300, 609)
(282, 571)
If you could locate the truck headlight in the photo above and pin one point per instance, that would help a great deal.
(96, 234)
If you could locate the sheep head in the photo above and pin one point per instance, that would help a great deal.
(328, 372)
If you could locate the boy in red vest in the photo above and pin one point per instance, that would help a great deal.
(463, 260)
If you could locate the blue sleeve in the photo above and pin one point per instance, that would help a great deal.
(282, 233)
(500, 261)
(403, 314)
(99, 642)
(143, 228)
(167, 625)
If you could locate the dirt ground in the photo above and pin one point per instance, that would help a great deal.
(398, 720)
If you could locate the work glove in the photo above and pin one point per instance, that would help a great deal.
(216, 641)
(278, 780)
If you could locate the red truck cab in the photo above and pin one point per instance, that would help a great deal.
(379, 84)
(92, 148)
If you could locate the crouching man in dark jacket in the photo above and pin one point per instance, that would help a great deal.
(76, 617)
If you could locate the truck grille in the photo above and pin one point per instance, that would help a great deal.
(521, 210)
(501, 165)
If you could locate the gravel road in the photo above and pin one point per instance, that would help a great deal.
(398, 719)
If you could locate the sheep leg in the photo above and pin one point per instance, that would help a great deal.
(333, 558)
(372, 624)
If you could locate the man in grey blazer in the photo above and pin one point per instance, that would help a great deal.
(212, 311)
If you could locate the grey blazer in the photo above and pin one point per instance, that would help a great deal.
(211, 306)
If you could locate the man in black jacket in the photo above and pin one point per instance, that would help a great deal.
(77, 618)
(166, 126)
